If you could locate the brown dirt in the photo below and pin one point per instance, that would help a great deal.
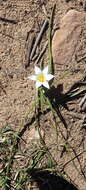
(17, 93)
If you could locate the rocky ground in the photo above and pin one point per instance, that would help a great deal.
(18, 18)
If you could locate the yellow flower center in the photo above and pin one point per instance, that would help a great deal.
(41, 78)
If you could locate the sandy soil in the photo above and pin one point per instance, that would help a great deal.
(17, 92)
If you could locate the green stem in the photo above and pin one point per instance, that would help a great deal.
(51, 66)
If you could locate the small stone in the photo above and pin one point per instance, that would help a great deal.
(34, 135)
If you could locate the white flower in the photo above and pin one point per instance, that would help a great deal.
(41, 77)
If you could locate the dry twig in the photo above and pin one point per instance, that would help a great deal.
(38, 38)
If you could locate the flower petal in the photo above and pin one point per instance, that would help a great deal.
(49, 77)
(37, 70)
(38, 84)
(45, 70)
(33, 77)
(45, 84)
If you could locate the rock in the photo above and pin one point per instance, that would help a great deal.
(84, 5)
(34, 135)
(65, 39)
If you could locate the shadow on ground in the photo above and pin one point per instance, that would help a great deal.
(44, 180)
